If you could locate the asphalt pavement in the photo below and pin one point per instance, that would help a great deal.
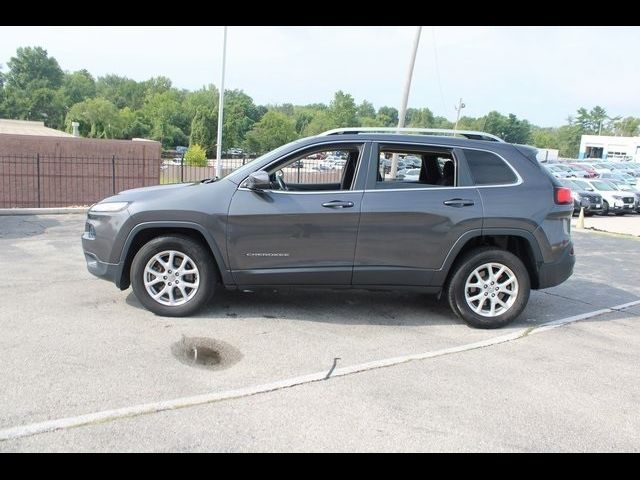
(73, 344)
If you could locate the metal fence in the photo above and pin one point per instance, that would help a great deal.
(55, 181)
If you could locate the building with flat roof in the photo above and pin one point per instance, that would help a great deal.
(610, 148)
(27, 127)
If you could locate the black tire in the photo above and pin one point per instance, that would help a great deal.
(588, 214)
(197, 252)
(605, 208)
(463, 268)
(619, 214)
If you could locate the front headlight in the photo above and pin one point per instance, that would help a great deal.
(617, 197)
(109, 207)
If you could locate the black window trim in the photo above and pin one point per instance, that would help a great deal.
(504, 160)
(363, 145)
(457, 149)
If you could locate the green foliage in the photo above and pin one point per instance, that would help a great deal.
(419, 118)
(274, 129)
(342, 110)
(365, 111)
(32, 68)
(195, 156)
(387, 117)
(34, 87)
(627, 127)
(121, 91)
(204, 129)
(321, 122)
(98, 118)
(78, 86)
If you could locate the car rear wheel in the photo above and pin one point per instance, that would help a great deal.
(488, 288)
(173, 276)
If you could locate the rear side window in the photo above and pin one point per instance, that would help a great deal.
(488, 169)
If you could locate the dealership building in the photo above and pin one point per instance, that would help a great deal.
(610, 148)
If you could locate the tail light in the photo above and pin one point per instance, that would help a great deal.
(563, 196)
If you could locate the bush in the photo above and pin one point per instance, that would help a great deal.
(196, 156)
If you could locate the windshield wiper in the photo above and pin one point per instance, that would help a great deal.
(209, 180)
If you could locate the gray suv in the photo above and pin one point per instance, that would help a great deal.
(482, 223)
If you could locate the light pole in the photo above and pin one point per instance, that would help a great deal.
(458, 108)
(221, 105)
(405, 97)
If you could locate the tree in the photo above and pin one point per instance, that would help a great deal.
(32, 68)
(387, 116)
(569, 140)
(365, 111)
(98, 118)
(273, 130)
(196, 156)
(78, 86)
(591, 122)
(121, 91)
(164, 113)
(203, 129)
(627, 127)
(32, 87)
(420, 118)
(342, 110)
(321, 122)
(544, 138)
(240, 114)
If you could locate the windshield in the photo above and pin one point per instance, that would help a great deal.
(600, 185)
(583, 185)
(570, 184)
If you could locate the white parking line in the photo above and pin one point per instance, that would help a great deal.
(147, 408)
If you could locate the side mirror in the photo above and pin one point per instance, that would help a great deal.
(258, 181)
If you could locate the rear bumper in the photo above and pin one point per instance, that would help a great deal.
(552, 274)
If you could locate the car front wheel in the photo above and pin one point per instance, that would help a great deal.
(488, 288)
(173, 276)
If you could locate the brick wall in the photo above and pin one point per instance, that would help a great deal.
(55, 172)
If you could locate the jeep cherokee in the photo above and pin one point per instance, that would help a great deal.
(482, 224)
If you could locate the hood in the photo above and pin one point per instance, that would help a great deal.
(147, 193)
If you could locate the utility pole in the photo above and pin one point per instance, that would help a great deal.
(405, 97)
(458, 108)
(221, 106)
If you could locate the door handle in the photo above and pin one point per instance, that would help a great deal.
(458, 202)
(337, 204)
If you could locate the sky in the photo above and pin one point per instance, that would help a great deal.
(543, 74)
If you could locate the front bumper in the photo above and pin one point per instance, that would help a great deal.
(552, 274)
(107, 271)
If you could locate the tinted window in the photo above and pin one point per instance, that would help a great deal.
(488, 169)
(415, 169)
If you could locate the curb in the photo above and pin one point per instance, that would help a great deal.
(42, 211)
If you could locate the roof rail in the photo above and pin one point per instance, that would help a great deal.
(470, 134)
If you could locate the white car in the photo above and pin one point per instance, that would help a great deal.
(613, 200)
(411, 175)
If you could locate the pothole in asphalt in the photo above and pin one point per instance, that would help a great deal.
(206, 353)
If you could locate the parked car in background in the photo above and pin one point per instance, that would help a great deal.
(599, 168)
(409, 175)
(620, 176)
(589, 172)
(635, 190)
(613, 200)
(556, 171)
(590, 201)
